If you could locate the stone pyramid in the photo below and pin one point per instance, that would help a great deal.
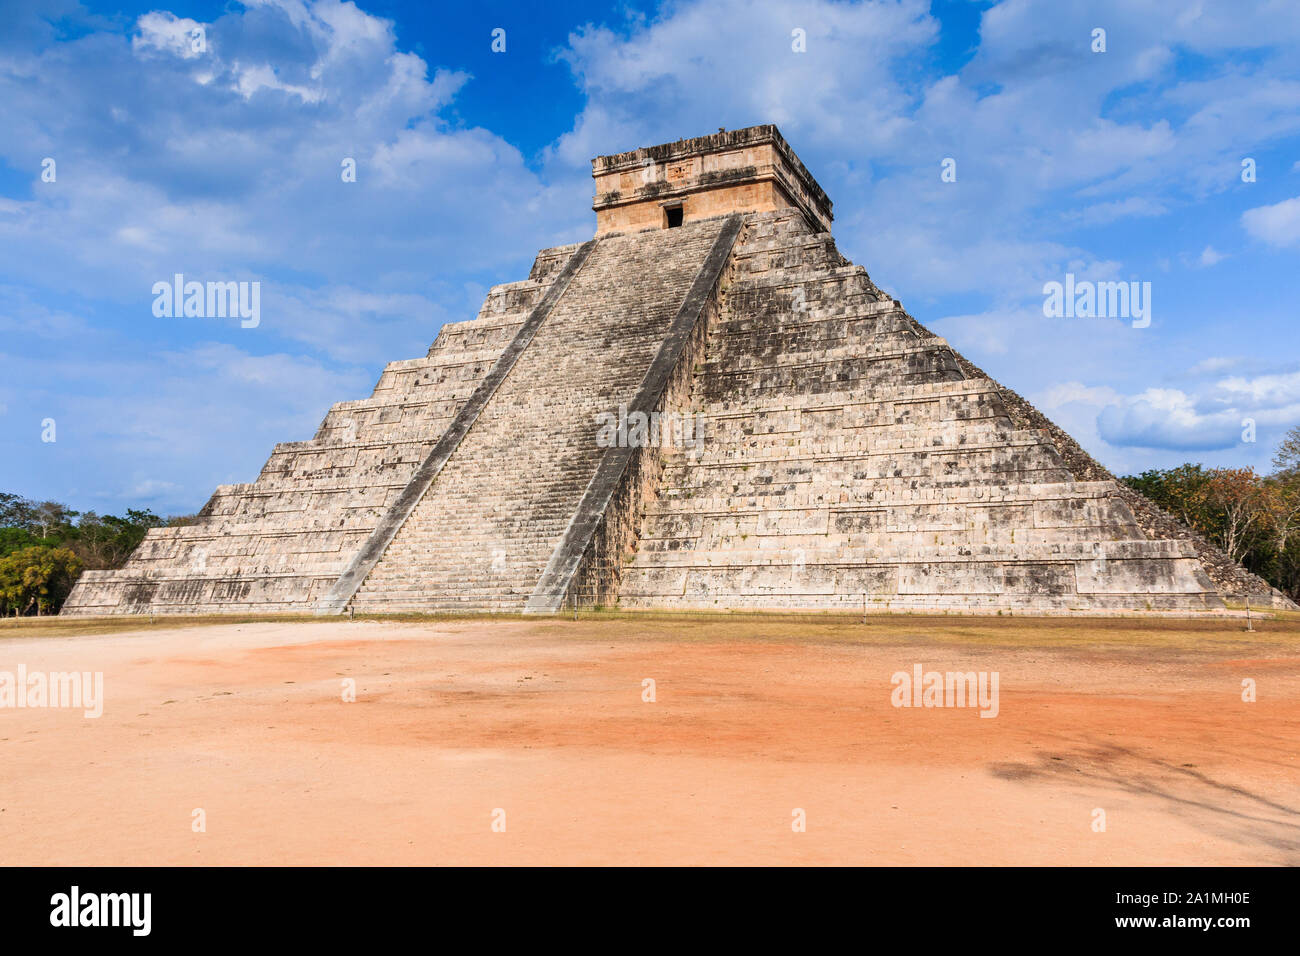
(831, 452)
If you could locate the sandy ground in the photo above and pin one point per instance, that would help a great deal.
(752, 719)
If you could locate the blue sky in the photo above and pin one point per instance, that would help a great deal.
(225, 165)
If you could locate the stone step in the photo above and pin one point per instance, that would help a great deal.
(532, 450)
(888, 494)
(833, 552)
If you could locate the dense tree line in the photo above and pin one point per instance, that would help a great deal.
(1254, 519)
(44, 547)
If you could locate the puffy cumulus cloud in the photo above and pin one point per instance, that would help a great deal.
(167, 33)
(1167, 418)
(1209, 417)
(644, 82)
(1277, 225)
(314, 50)
(1263, 391)
(1212, 418)
(226, 162)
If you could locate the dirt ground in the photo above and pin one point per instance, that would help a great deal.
(753, 719)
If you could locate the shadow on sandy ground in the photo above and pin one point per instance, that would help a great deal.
(1215, 806)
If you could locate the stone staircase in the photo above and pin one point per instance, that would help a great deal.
(485, 530)
(849, 460)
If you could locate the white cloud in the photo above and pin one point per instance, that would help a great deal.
(1263, 391)
(1277, 225)
(1167, 418)
(164, 32)
(227, 166)
(1214, 364)
(252, 79)
(644, 83)
(1132, 207)
(1068, 393)
(1210, 257)
(148, 490)
(1171, 418)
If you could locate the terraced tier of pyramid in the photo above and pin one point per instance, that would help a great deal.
(844, 455)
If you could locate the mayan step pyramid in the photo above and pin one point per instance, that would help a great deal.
(842, 456)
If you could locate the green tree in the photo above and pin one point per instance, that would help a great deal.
(37, 578)
(13, 539)
(1179, 491)
(15, 511)
(107, 541)
(51, 519)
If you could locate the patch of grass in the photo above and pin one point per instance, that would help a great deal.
(1154, 635)
(76, 627)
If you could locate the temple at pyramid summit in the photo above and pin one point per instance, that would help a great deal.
(703, 406)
